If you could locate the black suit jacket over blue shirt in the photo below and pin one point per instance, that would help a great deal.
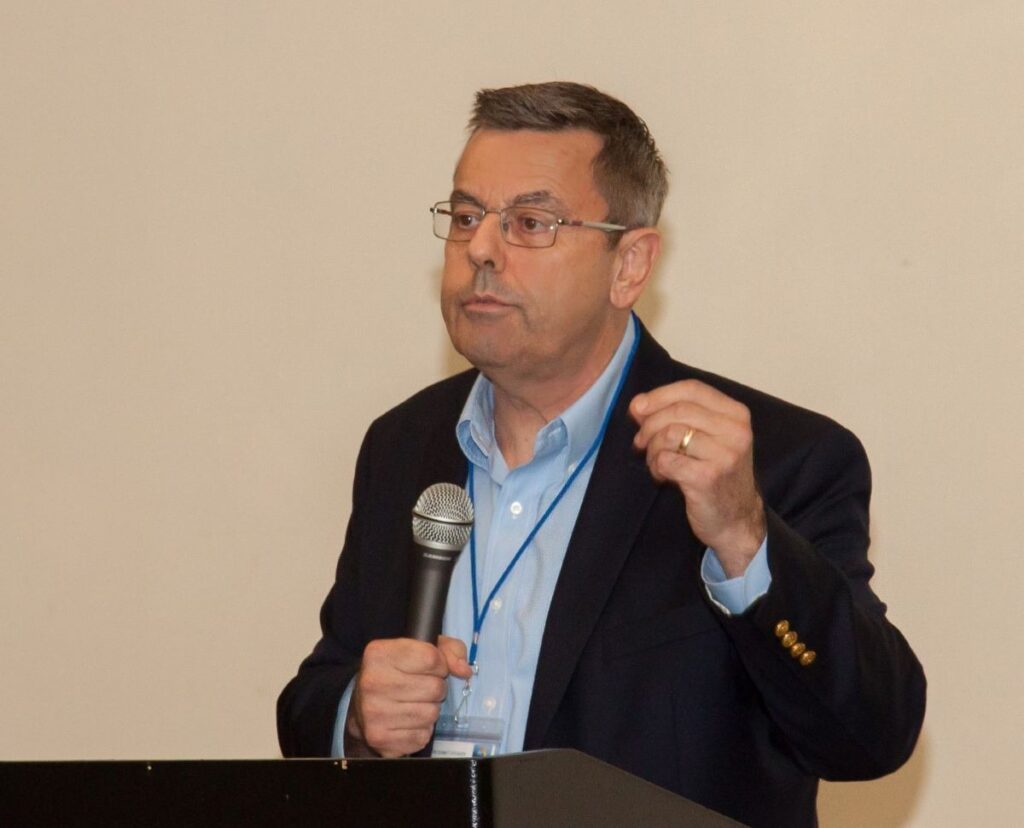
(636, 666)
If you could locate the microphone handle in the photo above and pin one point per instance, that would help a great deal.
(429, 594)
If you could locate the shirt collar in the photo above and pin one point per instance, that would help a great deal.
(576, 427)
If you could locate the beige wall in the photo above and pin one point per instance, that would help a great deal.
(216, 268)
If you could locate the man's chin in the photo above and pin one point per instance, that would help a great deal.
(485, 350)
(483, 357)
(482, 339)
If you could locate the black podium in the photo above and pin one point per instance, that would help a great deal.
(542, 788)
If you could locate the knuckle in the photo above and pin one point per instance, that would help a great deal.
(367, 683)
(371, 709)
(375, 650)
(665, 462)
(374, 734)
(438, 666)
(454, 646)
(420, 739)
(437, 690)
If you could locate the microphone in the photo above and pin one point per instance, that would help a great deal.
(442, 520)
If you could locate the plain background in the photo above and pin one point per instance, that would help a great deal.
(216, 268)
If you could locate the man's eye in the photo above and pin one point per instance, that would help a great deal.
(533, 223)
(465, 219)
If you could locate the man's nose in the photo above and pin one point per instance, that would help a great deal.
(487, 246)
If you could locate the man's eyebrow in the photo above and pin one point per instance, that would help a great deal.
(462, 195)
(542, 198)
(539, 198)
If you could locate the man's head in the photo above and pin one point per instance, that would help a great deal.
(548, 317)
(628, 171)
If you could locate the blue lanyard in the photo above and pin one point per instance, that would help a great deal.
(478, 614)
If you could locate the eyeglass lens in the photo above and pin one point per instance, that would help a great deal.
(524, 226)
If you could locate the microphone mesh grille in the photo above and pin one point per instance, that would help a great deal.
(443, 517)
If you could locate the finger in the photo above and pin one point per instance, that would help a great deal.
(396, 741)
(689, 473)
(685, 415)
(382, 686)
(406, 655)
(732, 427)
(454, 652)
(721, 455)
(421, 658)
(734, 432)
(376, 720)
(686, 390)
(400, 743)
(682, 439)
(406, 716)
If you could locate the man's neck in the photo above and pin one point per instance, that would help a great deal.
(523, 407)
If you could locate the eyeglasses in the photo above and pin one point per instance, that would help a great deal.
(522, 226)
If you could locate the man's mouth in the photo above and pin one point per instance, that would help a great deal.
(484, 302)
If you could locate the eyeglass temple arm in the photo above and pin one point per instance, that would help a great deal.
(595, 225)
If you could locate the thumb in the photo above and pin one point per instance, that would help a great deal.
(638, 407)
(454, 652)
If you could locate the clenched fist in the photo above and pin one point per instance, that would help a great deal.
(398, 693)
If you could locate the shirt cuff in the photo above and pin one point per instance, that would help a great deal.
(338, 743)
(734, 596)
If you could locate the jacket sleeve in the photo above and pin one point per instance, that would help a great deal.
(308, 705)
(837, 678)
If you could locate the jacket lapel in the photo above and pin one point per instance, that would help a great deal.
(439, 459)
(443, 460)
(619, 496)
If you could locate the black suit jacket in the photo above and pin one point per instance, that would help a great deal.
(636, 666)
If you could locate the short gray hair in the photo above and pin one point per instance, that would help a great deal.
(628, 171)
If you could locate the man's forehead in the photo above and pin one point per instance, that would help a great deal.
(576, 144)
(527, 166)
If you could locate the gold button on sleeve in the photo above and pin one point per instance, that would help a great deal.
(797, 649)
(789, 639)
(781, 628)
(808, 658)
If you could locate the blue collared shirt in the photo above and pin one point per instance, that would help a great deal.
(507, 505)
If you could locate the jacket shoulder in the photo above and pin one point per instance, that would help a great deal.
(768, 411)
(442, 400)
(785, 434)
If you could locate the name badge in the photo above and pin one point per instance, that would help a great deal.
(474, 737)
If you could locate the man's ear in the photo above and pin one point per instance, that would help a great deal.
(635, 256)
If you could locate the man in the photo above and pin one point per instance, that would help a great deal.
(668, 570)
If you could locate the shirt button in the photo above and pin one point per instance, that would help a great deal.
(496, 604)
(490, 703)
(516, 508)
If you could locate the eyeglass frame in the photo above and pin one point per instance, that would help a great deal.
(603, 226)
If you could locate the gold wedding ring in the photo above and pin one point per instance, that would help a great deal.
(685, 442)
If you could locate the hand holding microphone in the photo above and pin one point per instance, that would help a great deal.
(402, 681)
